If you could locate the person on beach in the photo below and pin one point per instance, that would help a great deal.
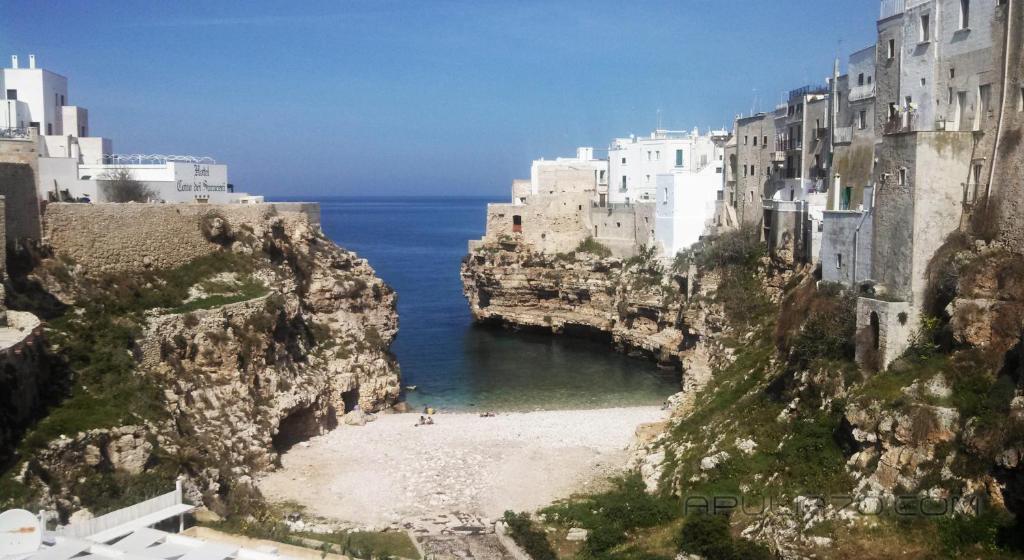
(430, 420)
(421, 422)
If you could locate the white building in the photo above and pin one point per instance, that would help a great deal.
(582, 173)
(635, 163)
(73, 164)
(686, 196)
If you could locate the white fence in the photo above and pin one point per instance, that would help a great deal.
(122, 516)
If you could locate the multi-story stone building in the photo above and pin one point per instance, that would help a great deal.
(798, 182)
(942, 87)
(847, 223)
(755, 138)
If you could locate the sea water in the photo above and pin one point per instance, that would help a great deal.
(416, 245)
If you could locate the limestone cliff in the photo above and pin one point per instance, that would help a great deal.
(266, 340)
(775, 411)
(633, 304)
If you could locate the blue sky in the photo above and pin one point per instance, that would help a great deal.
(429, 97)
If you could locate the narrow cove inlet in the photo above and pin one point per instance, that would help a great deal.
(565, 410)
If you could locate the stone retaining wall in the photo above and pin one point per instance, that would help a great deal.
(106, 238)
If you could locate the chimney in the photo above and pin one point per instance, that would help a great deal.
(32, 61)
(14, 61)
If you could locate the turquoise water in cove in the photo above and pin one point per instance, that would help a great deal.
(417, 245)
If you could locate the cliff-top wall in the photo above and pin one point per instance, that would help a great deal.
(105, 238)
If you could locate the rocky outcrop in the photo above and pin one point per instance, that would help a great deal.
(633, 305)
(302, 337)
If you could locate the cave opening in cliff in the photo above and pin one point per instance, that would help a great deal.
(351, 399)
(298, 426)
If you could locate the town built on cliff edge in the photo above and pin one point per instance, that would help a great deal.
(864, 175)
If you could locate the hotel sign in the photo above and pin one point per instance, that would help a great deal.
(201, 177)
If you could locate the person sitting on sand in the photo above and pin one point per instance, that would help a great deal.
(488, 414)
(430, 420)
(421, 422)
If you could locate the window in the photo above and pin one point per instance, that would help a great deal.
(862, 120)
(965, 14)
(839, 260)
(12, 94)
(517, 224)
(745, 173)
(679, 158)
(901, 177)
(657, 155)
(949, 96)
(860, 79)
(647, 179)
(869, 80)
(926, 32)
(49, 129)
(952, 73)
(664, 194)
(984, 94)
(745, 138)
(891, 51)
(623, 161)
(623, 182)
(764, 141)
(1020, 99)
(755, 140)
(923, 81)
(648, 155)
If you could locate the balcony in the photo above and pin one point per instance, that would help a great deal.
(900, 123)
(865, 91)
(843, 135)
(778, 156)
(786, 144)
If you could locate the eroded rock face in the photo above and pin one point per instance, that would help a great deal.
(242, 382)
(510, 285)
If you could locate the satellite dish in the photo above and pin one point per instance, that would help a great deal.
(20, 532)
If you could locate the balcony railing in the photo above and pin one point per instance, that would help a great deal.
(19, 133)
(778, 156)
(785, 144)
(862, 92)
(900, 123)
(843, 134)
(891, 8)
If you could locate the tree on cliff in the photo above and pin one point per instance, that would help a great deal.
(118, 185)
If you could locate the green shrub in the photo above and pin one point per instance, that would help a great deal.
(742, 248)
(958, 533)
(830, 328)
(708, 536)
(594, 247)
(529, 537)
(609, 515)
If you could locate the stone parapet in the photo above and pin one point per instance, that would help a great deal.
(108, 238)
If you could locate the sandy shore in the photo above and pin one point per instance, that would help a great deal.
(390, 471)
